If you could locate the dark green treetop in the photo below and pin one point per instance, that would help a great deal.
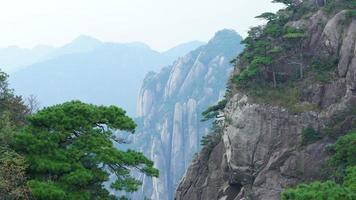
(70, 152)
(269, 16)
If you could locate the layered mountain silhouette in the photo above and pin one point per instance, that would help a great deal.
(93, 71)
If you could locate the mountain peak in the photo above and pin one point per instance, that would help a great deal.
(223, 42)
(82, 43)
(225, 34)
(85, 39)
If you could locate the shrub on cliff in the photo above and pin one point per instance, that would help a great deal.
(319, 191)
(344, 163)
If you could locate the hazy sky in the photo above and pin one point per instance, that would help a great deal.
(159, 23)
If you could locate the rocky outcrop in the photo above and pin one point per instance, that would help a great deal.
(261, 151)
(170, 107)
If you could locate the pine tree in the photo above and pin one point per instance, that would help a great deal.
(70, 152)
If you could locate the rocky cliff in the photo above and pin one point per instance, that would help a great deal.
(263, 148)
(170, 106)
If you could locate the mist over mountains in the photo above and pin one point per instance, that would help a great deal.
(88, 70)
(13, 58)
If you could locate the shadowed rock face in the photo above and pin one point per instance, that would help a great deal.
(170, 106)
(261, 151)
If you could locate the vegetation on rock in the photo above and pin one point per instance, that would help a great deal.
(343, 163)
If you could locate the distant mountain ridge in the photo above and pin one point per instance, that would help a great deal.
(93, 71)
(13, 58)
(80, 44)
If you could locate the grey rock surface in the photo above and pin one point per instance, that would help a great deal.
(261, 151)
(170, 106)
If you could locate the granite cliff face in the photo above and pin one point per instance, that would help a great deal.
(170, 106)
(261, 151)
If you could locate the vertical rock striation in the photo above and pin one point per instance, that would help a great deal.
(169, 110)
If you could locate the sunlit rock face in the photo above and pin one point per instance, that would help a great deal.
(170, 106)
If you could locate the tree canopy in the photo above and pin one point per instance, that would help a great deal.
(70, 152)
(12, 165)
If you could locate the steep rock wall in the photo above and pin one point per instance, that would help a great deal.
(261, 151)
(170, 107)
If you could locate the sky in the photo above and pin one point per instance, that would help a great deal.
(161, 24)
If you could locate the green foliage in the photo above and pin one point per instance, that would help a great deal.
(70, 152)
(46, 190)
(12, 165)
(7, 130)
(344, 156)
(351, 14)
(283, 95)
(276, 49)
(286, 96)
(268, 16)
(274, 29)
(309, 135)
(318, 191)
(259, 61)
(324, 77)
(75, 115)
(264, 50)
(275, 58)
(214, 110)
(345, 151)
(12, 175)
(245, 75)
(323, 68)
(213, 138)
(255, 67)
(333, 6)
(350, 179)
(344, 162)
(293, 33)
